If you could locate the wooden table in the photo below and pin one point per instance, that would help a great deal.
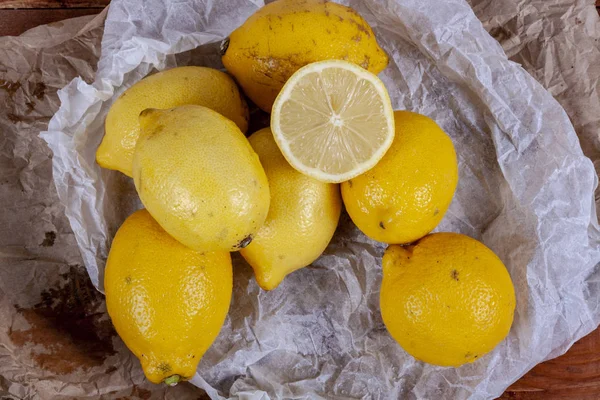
(575, 375)
(17, 16)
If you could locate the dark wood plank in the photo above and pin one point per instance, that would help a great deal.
(574, 375)
(15, 22)
(53, 3)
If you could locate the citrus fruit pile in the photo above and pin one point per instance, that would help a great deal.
(276, 196)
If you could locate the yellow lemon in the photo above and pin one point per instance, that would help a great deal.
(166, 301)
(302, 218)
(407, 193)
(285, 35)
(198, 176)
(447, 300)
(175, 87)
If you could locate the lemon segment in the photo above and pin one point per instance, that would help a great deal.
(333, 120)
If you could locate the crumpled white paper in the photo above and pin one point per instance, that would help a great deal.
(525, 190)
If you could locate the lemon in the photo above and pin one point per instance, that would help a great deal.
(333, 120)
(198, 176)
(303, 216)
(285, 35)
(175, 87)
(166, 301)
(407, 193)
(447, 300)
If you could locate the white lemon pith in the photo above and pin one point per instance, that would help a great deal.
(333, 120)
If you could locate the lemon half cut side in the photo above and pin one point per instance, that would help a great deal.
(333, 120)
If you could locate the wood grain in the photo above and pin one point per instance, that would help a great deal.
(53, 3)
(574, 375)
(15, 22)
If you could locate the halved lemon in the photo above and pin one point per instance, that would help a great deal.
(333, 120)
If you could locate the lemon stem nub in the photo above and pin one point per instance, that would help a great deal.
(172, 380)
(224, 46)
(245, 242)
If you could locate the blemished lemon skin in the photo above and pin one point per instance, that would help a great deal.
(285, 35)
(198, 176)
(447, 300)
(407, 193)
(166, 301)
(302, 219)
(202, 86)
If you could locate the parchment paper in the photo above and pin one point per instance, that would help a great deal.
(56, 340)
(525, 189)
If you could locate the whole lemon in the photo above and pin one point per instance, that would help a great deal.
(198, 176)
(447, 300)
(285, 35)
(302, 218)
(166, 301)
(407, 193)
(175, 87)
